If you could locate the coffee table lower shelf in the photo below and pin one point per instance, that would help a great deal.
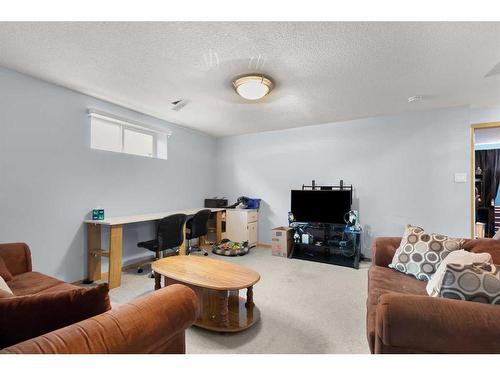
(220, 310)
(239, 317)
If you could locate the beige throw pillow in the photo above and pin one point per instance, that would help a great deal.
(475, 283)
(5, 291)
(460, 257)
(420, 253)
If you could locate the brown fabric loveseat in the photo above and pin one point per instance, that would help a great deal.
(155, 323)
(402, 318)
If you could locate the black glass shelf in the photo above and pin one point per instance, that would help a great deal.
(331, 244)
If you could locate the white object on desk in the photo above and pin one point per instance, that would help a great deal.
(480, 230)
(242, 225)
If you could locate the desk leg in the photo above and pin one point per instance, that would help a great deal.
(94, 260)
(115, 256)
(218, 226)
(182, 248)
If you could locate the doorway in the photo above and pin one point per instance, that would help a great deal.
(485, 179)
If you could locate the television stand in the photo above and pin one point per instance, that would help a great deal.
(328, 243)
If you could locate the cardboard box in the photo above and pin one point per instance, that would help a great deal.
(282, 241)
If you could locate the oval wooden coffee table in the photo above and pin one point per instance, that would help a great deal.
(217, 285)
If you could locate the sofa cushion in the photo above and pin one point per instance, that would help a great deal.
(25, 317)
(4, 271)
(383, 280)
(420, 253)
(59, 288)
(472, 282)
(33, 283)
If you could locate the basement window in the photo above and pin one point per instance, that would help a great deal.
(111, 133)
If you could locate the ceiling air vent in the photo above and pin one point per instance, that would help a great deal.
(179, 104)
(494, 71)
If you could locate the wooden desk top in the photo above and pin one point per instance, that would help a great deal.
(147, 217)
(206, 272)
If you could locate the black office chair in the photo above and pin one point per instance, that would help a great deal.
(196, 227)
(169, 236)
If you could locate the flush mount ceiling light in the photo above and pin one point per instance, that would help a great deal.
(253, 87)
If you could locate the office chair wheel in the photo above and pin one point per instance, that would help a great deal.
(140, 270)
(205, 254)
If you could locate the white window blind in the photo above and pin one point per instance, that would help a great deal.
(111, 133)
(138, 143)
(106, 135)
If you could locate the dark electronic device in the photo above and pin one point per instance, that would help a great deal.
(321, 206)
(318, 212)
(215, 203)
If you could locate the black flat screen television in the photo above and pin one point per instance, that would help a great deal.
(321, 206)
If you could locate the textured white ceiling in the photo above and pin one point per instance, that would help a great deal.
(324, 72)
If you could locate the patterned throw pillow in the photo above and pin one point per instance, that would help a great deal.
(457, 257)
(420, 253)
(472, 282)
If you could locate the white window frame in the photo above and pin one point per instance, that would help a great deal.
(158, 135)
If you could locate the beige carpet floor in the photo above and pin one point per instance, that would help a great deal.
(306, 307)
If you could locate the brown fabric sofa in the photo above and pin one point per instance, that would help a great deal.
(402, 318)
(155, 323)
(17, 258)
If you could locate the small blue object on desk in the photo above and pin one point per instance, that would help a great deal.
(253, 203)
(98, 214)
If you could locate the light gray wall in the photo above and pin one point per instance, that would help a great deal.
(402, 168)
(50, 178)
(480, 115)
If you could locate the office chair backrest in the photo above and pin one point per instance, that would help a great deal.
(170, 232)
(199, 223)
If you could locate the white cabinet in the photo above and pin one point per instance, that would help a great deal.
(242, 225)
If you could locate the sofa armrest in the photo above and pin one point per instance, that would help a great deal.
(151, 324)
(423, 324)
(383, 250)
(484, 245)
(17, 257)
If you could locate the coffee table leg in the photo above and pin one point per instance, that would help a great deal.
(249, 302)
(234, 299)
(223, 308)
(157, 281)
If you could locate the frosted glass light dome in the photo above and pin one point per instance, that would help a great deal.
(253, 87)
